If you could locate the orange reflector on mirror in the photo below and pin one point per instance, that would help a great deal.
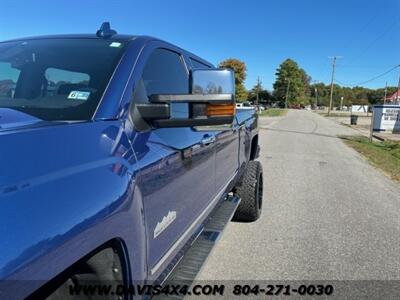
(221, 109)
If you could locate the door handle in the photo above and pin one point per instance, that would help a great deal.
(208, 139)
(237, 127)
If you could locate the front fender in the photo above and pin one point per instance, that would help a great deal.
(59, 210)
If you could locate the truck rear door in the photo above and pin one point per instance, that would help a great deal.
(227, 146)
(227, 154)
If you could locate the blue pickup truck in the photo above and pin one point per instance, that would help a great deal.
(120, 156)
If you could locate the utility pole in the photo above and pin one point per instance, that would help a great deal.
(287, 92)
(315, 93)
(398, 91)
(258, 88)
(371, 129)
(332, 80)
(384, 99)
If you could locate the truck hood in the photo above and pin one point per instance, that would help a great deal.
(54, 182)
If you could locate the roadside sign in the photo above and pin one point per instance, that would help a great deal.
(386, 118)
(359, 108)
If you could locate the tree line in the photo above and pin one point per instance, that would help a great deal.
(294, 83)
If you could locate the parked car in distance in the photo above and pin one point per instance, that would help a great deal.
(244, 105)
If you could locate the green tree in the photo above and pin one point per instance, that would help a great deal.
(376, 96)
(320, 91)
(240, 70)
(289, 74)
(264, 96)
(254, 93)
(351, 95)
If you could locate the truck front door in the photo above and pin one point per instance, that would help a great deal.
(177, 178)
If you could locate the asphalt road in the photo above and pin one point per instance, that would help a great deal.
(327, 213)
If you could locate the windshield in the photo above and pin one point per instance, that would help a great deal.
(56, 79)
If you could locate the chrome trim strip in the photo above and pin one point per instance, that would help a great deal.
(195, 223)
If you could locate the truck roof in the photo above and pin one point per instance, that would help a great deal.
(116, 37)
(119, 37)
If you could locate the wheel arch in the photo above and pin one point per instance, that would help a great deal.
(254, 148)
(109, 263)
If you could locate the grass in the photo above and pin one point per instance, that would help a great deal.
(273, 112)
(324, 114)
(346, 114)
(383, 155)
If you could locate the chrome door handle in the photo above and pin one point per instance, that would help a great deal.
(207, 140)
(237, 127)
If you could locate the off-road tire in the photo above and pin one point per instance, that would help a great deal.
(250, 190)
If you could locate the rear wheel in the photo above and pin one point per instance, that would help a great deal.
(250, 190)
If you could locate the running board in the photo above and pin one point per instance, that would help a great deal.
(191, 263)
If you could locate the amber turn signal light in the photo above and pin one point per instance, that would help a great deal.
(221, 109)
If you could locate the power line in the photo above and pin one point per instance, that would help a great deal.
(356, 34)
(374, 41)
(340, 82)
(363, 66)
(371, 79)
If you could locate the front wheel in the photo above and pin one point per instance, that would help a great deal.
(250, 190)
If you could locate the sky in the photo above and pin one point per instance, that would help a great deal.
(261, 33)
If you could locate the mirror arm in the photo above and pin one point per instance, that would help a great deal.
(194, 98)
(153, 111)
(210, 121)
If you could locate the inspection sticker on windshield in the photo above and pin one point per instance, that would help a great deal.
(115, 45)
(79, 95)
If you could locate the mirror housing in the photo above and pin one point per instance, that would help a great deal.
(211, 101)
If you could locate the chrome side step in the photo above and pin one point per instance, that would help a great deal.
(191, 263)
